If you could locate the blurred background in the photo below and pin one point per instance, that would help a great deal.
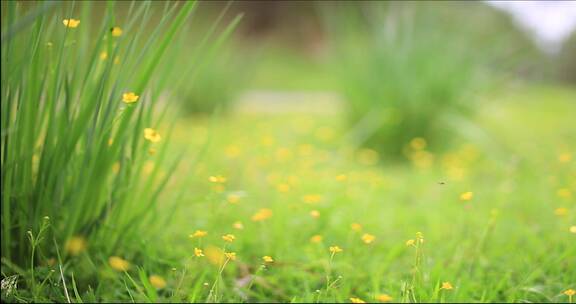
(395, 70)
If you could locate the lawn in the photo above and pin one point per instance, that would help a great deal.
(288, 186)
(140, 165)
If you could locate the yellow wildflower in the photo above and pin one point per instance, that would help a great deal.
(229, 238)
(238, 225)
(335, 249)
(214, 255)
(315, 213)
(71, 23)
(129, 97)
(198, 234)
(75, 245)
(312, 198)
(267, 259)
(446, 286)
(564, 193)
(262, 214)
(418, 143)
(116, 31)
(198, 252)
(356, 300)
(233, 198)
(219, 179)
(384, 298)
(341, 177)
(356, 227)
(569, 292)
(283, 187)
(561, 211)
(368, 238)
(573, 229)
(157, 281)
(565, 157)
(466, 196)
(152, 135)
(410, 242)
(104, 55)
(118, 263)
(316, 238)
(230, 255)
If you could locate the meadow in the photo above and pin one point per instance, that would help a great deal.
(111, 194)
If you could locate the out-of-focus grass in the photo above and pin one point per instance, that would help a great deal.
(511, 242)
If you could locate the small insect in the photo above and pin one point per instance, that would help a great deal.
(441, 183)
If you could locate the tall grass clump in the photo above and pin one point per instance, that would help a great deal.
(83, 138)
(218, 67)
(409, 70)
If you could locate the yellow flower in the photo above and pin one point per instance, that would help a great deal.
(335, 249)
(561, 211)
(356, 300)
(341, 177)
(129, 97)
(233, 198)
(410, 242)
(118, 263)
(564, 193)
(262, 214)
(384, 298)
(312, 198)
(219, 179)
(238, 225)
(104, 55)
(75, 245)
(315, 213)
(418, 143)
(116, 31)
(446, 286)
(283, 187)
(267, 259)
(71, 23)
(230, 255)
(229, 238)
(316, 238)
(152, 135)
(569, 292)
(368, 238)
(565, 157)
(214, 255)
(198, 252)
(356, 227)
(157, 281)
(573, 229)
(466, 196)
(198, 234)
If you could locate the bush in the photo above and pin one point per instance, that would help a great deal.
(411, 70)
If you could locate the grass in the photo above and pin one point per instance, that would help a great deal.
(85, 219)
(511, 242)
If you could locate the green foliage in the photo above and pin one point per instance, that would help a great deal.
(412, 70)
(72, 150)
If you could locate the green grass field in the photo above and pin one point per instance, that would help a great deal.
(108, 195)
(288, 186)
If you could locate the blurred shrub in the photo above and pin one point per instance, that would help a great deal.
(411, 70)
(217, 70)
(222, 79)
